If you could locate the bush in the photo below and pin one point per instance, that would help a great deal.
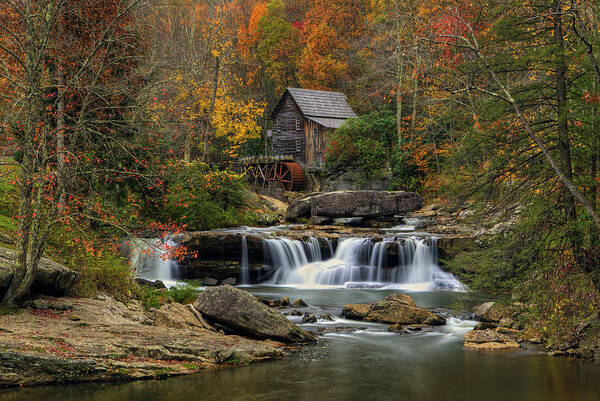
(149, 297)
(98, 262)
(363, 144)
(202, 199)
(405, 173)
(184, 293)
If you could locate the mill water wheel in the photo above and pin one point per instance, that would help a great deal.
(288, 176)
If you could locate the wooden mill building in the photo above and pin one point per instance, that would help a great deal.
(301, 121)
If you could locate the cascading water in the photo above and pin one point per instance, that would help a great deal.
(150, 258)
(289, 255)
(244, 267)
(359, 260)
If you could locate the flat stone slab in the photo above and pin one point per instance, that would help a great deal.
(341, 204)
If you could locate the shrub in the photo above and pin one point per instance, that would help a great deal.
(95, 258)
(149, 297)
(405, 173)
(363, 144)
(201, 199)
(184, 293)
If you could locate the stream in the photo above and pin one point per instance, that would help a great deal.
(356, 360)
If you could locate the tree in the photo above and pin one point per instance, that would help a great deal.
(66, 129)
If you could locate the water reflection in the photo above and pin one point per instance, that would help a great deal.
(367, 364)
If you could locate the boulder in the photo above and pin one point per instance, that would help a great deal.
(299, 303)
(51, 278)
(356, 311)
(243, 313)
(149, 283)
(354, 204)
(326, 316)
(489, 312)
(208, 281)
(489, 340)
(308, 318)
(229, 280)
(485, 326)
(393, 309)
(320, 220)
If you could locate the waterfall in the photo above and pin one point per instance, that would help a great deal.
(244, 267)
(150, 258)
(359, 260)
(314, 249)
(331, 253)
(288, 256)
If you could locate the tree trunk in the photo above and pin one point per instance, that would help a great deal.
(566, 181)
(187, 147)
(399, 72)
(413, 119)
(60, 138)
(564, 142)
(399, 99)
(211, 109)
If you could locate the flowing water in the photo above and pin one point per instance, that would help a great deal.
(150, 259)
(358, 360)
(244, 267)
(363, 362)
(360, 262)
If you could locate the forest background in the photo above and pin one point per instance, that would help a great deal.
(108, 111)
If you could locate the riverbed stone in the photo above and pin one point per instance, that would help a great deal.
(489, 340)
(354, 204)
(299, 303)
(320, 220)
(208, 281)
(309, 318)
(489, 312)
(393, 309)
(485, 326)
(326, 316)
(356, 311)
(158, 284)
(241, 312)
(229, 280)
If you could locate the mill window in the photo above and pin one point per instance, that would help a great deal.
(297, 124)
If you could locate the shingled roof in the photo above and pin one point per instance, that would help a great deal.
(328, 105)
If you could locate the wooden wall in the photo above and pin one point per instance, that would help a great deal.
(315, 143)
(288, 137)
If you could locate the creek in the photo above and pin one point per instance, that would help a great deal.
(357, 360)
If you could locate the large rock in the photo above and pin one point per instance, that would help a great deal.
(489, 340)
(493, 312)
(489, 312)
(393, 309)
(243, 313)
(51, 278)
(354, 204)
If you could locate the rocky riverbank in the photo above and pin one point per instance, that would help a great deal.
(67, 340)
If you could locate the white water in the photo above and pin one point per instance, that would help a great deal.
(244, 267)
(150, 259)
(290, 255)
(358, 262)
